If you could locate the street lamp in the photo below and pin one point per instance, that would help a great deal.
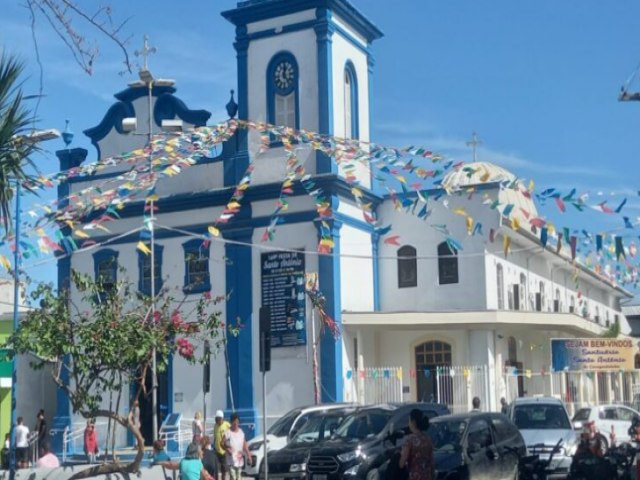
(34, 137)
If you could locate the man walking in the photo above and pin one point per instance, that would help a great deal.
(22, 444)
(218, 443)
(476, 404)
(236, 447)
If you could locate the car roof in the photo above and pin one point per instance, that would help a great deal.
(536, 400)
(324, 407)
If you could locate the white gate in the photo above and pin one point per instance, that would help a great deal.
(457, 385)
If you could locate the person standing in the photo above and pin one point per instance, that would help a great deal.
(22, 444)
(90, 442)
(218, 443)
(197, 428)
(476, 404)
(236, 448)
(41, 428)
(417, 451)
(503, 406)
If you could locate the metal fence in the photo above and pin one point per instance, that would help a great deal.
(458, 385)
(455, 386)
(576, 389)
(374, 385)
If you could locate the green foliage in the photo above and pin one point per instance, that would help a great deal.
(106, 341)
(14, 122)
(613, 331)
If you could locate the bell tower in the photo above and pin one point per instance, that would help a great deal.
(305, 64)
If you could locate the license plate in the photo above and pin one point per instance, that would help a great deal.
(319, 477)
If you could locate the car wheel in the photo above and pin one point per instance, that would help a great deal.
(373, 474)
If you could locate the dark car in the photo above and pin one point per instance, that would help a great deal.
(364, 441)
(290, 461)
(476, 445)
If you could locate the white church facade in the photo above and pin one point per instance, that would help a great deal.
(413, 307)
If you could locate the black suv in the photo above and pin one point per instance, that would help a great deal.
(364, 441)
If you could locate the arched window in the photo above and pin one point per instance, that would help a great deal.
(597, 319)
(572, 304)
(282, 90)
(500, 286)
(557, 304)
(523, 291)
(447, 264)
(196, 266)
(350, 102)
(541, 306)
(407, 267)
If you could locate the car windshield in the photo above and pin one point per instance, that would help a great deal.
(539, 416)
(317, 428)
(282, 427)
(582, 415)
(363, 424)
(446, 435)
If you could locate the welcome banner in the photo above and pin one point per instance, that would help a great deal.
(574, 354)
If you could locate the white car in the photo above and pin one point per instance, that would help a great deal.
(607, 417)
(543, 423)
(279, 434)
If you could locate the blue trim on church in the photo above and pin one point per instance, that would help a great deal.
(68, 158)
(331, 378)
(239, 308)
(324, 31)
(252, 11)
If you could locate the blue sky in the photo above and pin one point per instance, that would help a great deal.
(537, 80)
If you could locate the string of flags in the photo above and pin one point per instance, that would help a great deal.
(411, 184)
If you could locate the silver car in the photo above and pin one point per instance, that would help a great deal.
(543, 421)
(608, 419)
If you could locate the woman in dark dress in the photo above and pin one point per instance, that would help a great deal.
(417, 452)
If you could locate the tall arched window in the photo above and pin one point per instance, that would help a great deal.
(407, 267)
(500, 286)
(447, 264)
(572, 304)
(282, 90)
(350, 102)
(523, 291)
(512, 350)
(557, 304)
(542, 298)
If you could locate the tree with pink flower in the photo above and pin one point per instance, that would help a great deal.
(106, 343)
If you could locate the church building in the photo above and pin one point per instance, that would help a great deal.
(412, 308)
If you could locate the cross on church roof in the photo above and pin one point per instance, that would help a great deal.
(145, 52)
(473, 143)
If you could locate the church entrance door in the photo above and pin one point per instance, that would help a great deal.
(429, 356)
(146, 405)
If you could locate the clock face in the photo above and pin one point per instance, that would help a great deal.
(283, 75)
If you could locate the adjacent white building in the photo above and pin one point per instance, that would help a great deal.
(412, 307)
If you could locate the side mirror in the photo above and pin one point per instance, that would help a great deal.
(577, 425)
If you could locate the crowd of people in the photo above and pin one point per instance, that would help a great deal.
(219, 457)
(45, 458)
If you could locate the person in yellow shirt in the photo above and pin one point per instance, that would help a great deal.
(218, 443)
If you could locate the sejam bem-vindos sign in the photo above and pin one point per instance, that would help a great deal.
(575, 354)
(283, 291)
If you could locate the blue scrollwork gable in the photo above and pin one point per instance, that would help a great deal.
(113, 119)
(168, 107)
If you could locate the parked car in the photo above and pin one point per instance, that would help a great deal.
(290, 462)
(543, 421)
(279, 434)
(364, 441)
(475, 445)
(606, 417)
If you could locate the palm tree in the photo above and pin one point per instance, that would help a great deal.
(15, 121)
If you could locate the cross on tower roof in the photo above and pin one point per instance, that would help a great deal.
(145, 52)
(473, 143)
